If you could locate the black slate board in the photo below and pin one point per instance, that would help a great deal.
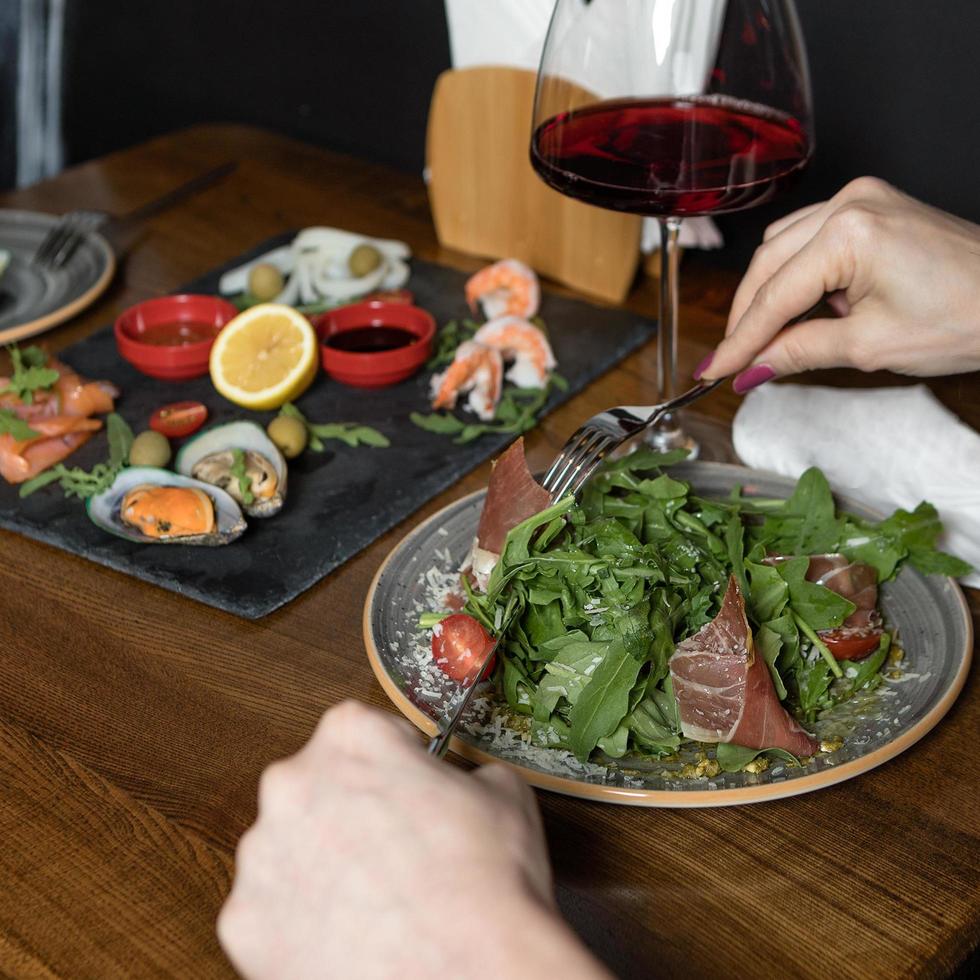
(338, 501)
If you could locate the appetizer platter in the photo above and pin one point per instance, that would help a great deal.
(258, 411)
(689, 634)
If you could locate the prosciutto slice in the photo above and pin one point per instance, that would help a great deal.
(513, 495)
(724, 691)
(853, 581)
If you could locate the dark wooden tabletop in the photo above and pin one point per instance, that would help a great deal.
(134, 723)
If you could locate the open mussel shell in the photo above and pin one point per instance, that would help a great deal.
(208, 457)
(104, 509)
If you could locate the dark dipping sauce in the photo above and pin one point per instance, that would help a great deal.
(180, 333)
(371, 340)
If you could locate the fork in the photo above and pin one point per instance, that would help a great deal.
(603, 433)
(66, 235)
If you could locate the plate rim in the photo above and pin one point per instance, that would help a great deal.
(56, 317)
(667, 799)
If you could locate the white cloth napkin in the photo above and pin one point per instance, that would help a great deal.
(512, 33)
(886, 447)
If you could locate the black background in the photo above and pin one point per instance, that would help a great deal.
(895, 84)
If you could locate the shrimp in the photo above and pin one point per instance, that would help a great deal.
(524, 345)
(505, 288)
(476, 369)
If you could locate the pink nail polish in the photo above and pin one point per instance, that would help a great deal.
(703, 366)
(752, 377)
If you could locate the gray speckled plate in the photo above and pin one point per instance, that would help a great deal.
(930, 614)
(34, 299)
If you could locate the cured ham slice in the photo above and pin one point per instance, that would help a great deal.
(853, 581)
(724, 691)
(513, 495)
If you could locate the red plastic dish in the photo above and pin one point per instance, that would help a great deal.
(375, 369)
(172, 361)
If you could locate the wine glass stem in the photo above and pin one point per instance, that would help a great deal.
(667, 334)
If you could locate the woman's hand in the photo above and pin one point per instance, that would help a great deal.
(903, 277)
(370, 858)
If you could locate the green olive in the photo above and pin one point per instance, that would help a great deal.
(150, 448)
(288, 434)
(265, 282)
(364, 259)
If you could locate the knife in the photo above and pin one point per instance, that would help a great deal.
(175, 196)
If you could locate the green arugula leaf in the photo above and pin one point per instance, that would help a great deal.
(239, 472)
(11, 424)
(349, 433)
(603, 704)
(904, 534)
(768, 592)
(821, 608)
(807, 523)
(448, 339)
(28, 374)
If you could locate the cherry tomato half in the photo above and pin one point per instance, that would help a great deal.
(851, 644)
(459, 645)
(179, 419)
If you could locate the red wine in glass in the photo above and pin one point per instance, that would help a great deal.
(670, 157)
(670, 109)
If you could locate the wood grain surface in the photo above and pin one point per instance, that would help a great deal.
(487, 200)
(134, 723)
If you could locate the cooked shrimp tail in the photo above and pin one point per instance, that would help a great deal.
(476, 369)
(506, 288)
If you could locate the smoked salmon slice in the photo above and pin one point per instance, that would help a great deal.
(57, 437)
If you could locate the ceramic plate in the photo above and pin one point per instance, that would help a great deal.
(34, 299)
(929, 612)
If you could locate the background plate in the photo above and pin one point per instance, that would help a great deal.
(34, 299)
(929, 612)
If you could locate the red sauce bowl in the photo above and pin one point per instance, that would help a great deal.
(171, 337)
(375, 369)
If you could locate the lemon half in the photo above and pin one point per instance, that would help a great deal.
(264, 357)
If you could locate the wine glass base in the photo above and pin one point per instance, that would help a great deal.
(704, 438)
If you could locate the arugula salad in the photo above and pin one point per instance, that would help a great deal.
(590, 600)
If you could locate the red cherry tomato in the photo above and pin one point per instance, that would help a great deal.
(179, 419)
(460, 645)
(850, 644)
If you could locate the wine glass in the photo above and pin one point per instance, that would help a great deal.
(670, 109)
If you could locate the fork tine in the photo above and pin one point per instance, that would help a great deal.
(563, 458)
(54, 240)
(44, 249)
(587, 460)
(68, 247)
(570, 458)
(584, 475)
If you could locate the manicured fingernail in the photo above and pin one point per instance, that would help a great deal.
(752, 377)
(703, 366)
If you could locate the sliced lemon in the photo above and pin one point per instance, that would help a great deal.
(265, 357)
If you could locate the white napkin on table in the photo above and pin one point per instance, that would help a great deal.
(886, 447)
(512, 33)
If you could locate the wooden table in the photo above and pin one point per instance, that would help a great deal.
(134, 724)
